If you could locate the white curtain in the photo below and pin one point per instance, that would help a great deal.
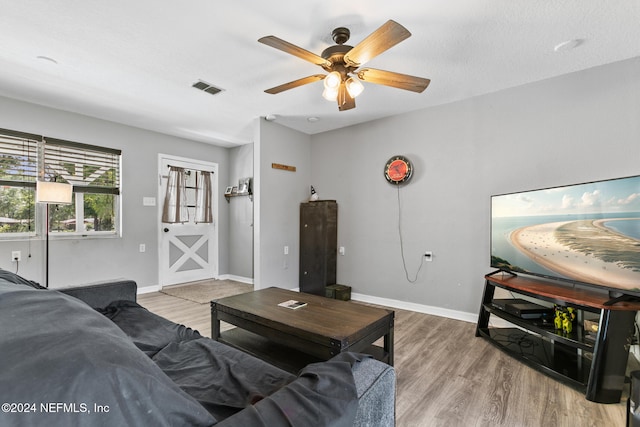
(204, 207)
(175, 200)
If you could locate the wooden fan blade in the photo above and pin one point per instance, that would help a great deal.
(397, 80)
(295, 83)
(388, 35)
(345, 101)
(294, 50)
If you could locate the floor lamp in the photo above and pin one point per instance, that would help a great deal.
(52, 193)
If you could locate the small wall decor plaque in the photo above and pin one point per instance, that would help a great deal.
(283, 167)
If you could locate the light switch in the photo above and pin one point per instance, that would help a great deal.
(148, 201)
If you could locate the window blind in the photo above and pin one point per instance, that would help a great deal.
(18, 158)
(90, 169)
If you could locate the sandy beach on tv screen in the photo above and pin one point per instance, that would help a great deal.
(575, 255)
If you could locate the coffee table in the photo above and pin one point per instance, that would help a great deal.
(290, 338)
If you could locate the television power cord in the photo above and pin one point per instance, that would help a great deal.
(404, 262)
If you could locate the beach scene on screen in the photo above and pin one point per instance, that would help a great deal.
(586, 232)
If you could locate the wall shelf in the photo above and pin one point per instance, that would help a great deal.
(232, 195)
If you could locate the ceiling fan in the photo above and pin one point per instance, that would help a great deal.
(342, 62)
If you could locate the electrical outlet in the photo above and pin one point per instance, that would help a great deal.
(142, 247)
(428, 256)
(16, 256)
(286, 250)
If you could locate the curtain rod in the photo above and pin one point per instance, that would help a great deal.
(197, 170)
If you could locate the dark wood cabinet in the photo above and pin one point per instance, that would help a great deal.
(594, 366)
(318, 245)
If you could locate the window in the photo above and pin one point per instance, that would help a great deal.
(95, 175)
(93, 171)
(18, 172)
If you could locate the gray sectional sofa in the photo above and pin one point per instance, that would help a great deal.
(91, 356)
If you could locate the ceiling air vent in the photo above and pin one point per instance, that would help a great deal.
(206, 87)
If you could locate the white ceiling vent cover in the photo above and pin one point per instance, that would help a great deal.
(202, 85)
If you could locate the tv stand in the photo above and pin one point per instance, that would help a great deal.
(594, 366)
(621, 298)
(510, 273)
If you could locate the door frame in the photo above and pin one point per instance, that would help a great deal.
(196, 164)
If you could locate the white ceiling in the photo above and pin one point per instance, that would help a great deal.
(134, 61)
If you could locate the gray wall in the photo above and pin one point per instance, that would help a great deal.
(579, 127)
(240, 215)
(78, 261)
(277, 203)
(574, 128)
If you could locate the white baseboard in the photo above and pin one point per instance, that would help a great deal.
(247, 280)
(420, 308)
(149, 289)
(387, 302)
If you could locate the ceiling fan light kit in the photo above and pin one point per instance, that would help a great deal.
(330, 94)
(343, 83)
(354, 86)
(331, 84)
(332, 81)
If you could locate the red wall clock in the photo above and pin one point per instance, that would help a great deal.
(398, 170)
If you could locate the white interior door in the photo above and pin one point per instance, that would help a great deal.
(188, 251)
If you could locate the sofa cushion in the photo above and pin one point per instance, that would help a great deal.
(100, 294)
(148, 331)
(223, 379)
(237, 388)
(67, 361)
(324, 394)
(9, 277)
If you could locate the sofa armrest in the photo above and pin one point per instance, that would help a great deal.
(376, 386)
(99, 295)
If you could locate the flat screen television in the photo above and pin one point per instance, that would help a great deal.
(584, 233)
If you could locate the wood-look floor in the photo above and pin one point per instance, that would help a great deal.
(448, 377)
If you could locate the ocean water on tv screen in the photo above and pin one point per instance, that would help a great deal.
(600, 249)
(628, 227)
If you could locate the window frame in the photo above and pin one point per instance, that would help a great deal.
(24, 146)
(48, 166)
(59, 152)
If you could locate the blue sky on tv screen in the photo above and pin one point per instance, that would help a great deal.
(611, 196)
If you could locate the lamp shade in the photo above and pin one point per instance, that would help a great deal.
(330, 94)
(354, 87)
(332, 80)
(53, 192)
